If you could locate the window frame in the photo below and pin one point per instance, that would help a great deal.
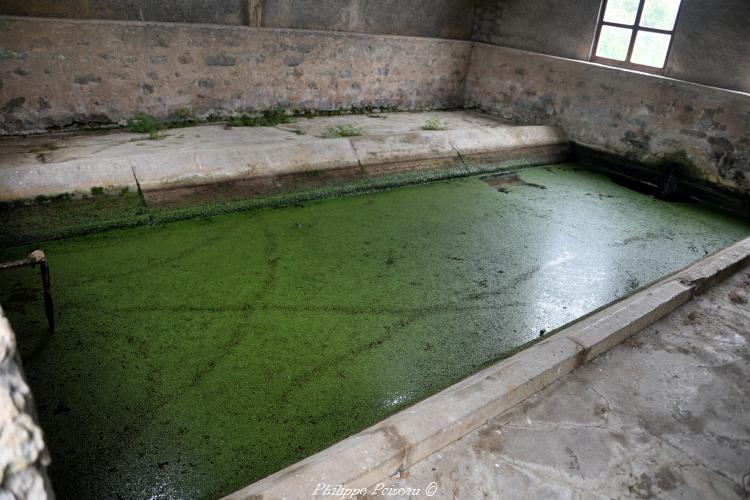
(635, 28)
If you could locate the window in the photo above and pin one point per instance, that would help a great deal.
(636, 33)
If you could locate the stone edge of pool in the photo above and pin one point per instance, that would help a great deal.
(393, 445)
(175, 173)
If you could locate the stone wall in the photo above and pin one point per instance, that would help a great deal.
(557, 27)
(642, 117)
(711, 44)
(23, 454)
(433, 18)
(179, 11)
(57, 73)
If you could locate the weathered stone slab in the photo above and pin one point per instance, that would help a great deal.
(608, 330)
(78, 176)
(708, 272)
(181, 168)
(230, 163)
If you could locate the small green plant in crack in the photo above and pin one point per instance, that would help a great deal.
(274, 116)
(97, 191)
(434, 124)
(242, 121)
(142, 123)
(269, 118)
(343, 131)
(182, 118)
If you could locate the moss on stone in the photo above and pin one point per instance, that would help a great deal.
(66, 216)
(347, 130)
(143, 123)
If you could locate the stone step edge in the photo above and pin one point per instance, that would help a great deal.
(176, 168)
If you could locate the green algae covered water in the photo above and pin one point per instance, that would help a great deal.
(196, 357)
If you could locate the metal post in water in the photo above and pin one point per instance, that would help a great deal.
(48, 307)
(34, 258)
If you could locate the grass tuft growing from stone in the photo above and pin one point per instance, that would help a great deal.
(143, 123)
(182, 118)
(269, 118)
(434, 124)
(343, 131)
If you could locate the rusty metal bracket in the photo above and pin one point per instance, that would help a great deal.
(34, 258)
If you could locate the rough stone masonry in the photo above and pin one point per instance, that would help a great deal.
(57, 73)
(23, 454)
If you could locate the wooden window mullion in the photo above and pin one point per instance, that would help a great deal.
(640, 28)
(635, 29)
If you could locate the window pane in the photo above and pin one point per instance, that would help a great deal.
(614, 43)
(621, 11)
(650, 49)
(660, 14)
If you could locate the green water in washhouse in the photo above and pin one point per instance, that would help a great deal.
(195, 357)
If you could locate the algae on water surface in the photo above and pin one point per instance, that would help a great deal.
(194, 357)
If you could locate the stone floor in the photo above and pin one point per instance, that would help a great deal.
(666, 414)
(56, 148)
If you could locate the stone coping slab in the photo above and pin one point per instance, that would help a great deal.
(207, 155)
(393, 445)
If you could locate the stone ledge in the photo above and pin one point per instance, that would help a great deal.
(184, 168)
(634, 314)
(245, 162)
(716, 268)
(75, 178)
